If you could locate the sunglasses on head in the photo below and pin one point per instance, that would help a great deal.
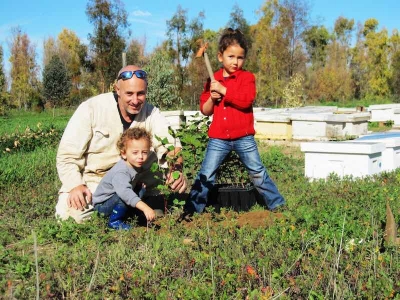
(129, 74)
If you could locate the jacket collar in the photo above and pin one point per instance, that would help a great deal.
(219, 74)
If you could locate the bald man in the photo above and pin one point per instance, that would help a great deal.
(88, 149)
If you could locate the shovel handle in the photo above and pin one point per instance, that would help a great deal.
(208, 65)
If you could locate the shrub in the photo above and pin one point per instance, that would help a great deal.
(30, 139)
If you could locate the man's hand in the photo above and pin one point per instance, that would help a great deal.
(177, 185)
(79, 197)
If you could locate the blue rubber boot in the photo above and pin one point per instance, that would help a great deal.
(115, 221)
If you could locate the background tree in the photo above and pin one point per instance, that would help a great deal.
(269, 55)
(70, 47)
(3, 85)
(182, 36)
(197, 71)
(358, 64)
(191, 76)
(56, 82)
(332, 82)
(50, 48)
(73, 53)
(238, 21)
(317, 39)
(343, 30)
(177, 31)
(329, 78)
(135, 54)
(162, 90)
(395, 65)
(377, 46)
(3, 81)
(108, 40)
(293, 22)
(24, 82)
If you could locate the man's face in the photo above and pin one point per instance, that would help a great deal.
(131, 95)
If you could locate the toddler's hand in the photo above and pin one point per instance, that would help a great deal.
(150, 214)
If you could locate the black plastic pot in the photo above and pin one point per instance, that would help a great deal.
(236, 197)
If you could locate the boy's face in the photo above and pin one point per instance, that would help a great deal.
(136, 152)
(232, 59)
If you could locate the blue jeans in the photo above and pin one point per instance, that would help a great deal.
(246, 149)
(105, 208)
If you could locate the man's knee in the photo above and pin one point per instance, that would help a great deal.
(63, 212)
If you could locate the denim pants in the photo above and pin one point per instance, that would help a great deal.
(246, 149)
(105, 208)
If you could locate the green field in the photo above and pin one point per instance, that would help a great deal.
(328, 243)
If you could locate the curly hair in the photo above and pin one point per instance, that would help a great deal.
(135, 133)
(232, 37)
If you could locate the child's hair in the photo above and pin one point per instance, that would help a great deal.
(135, 133)
(231, 37)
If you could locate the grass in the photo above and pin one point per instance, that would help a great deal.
(327, 244)
(16, 121)
(380, 126)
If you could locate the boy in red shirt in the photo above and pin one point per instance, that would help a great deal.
(229, 98)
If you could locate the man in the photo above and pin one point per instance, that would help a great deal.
(88, 147)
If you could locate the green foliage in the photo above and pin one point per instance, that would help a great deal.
(182, 36)
(317, 39)
(293, 93)
(194, 141)
(238, 21)
(332, 231)
(29, 140)
(379, 126)
(56, 82)
(110, 20)
(2, 74)
(24, 81)
(343, 29)
(162, 90)
(16, 121)
(232, 171)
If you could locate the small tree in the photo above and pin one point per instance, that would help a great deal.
(56, 83)
(162, 90)
(23, 75)
(107, 42)
(3, 85)
(293, 92)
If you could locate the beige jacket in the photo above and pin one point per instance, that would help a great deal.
(88, 147)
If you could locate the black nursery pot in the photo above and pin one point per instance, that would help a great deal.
(238, 198)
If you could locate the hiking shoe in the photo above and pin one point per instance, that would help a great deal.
(185, 216)
(119, 225)
(279, 209)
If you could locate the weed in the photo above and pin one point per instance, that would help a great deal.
(329, 245)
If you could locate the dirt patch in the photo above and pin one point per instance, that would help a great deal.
(256, 219)
(253, 219)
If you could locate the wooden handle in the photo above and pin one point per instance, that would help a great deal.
(208, 65)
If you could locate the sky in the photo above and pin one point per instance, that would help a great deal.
(42, 19)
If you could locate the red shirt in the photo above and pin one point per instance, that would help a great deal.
(233, 115)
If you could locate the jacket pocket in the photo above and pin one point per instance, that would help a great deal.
(101, 140)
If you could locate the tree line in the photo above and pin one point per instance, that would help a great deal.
(295, 61)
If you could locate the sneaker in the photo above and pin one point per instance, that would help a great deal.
(279, 209)
(119, 225)
(185, 216)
